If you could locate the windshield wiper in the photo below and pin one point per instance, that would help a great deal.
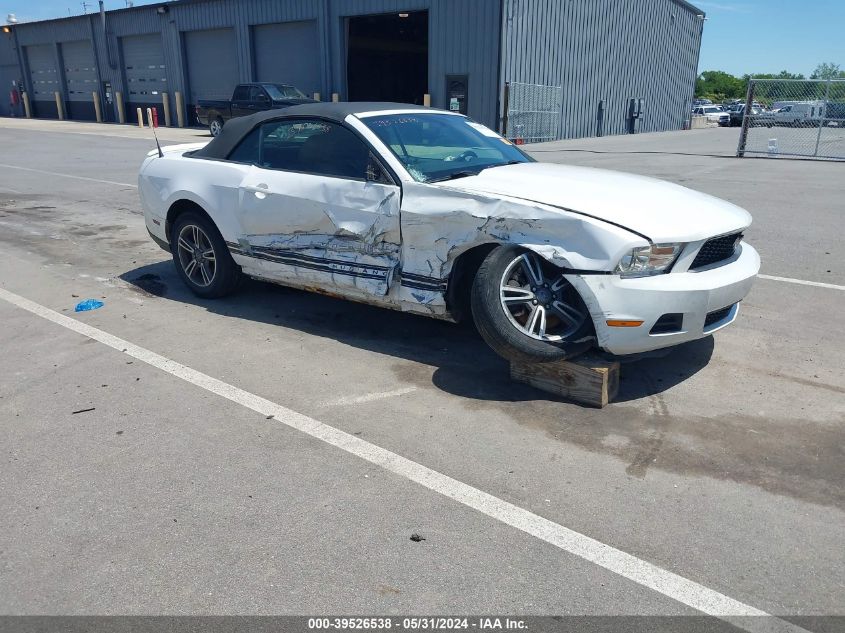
(510, 162)
(458, 174)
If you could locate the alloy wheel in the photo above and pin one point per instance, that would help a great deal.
(539, 305)
(196, 255)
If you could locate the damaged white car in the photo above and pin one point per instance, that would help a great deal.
(429, 212)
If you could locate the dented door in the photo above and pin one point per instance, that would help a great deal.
(325, 231)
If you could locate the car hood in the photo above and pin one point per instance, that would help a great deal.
(659, 210)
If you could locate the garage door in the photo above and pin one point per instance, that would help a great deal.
(44, 78)
(81, 78)
(143, 63)
(288, 53)
(145, 73)
(212, 64)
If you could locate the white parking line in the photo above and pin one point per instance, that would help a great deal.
(667, 583)
(55, 173)
(803, 282)
(370, 397)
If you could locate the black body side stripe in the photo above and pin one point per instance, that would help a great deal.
(313, 258)
(288, 254)
(312, 266)
(408, 284)
(338, 267)
(420, 282)
(422, 279)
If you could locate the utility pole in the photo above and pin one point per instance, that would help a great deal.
(84, 7)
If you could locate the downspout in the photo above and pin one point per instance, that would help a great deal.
(328, 34)
(100, 94)
(500, 69)
(112, 63)
(701, 17)
(25, 78)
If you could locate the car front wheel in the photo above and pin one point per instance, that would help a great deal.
(526, 310)
(201, 257)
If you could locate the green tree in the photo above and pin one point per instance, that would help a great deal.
(828, 71)
(781, 75)
(718, 85)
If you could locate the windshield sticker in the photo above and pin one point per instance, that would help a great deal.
(486, 131)
(394, 121)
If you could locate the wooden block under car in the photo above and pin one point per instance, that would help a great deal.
(586, 379)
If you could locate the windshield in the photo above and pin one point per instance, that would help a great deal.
(435, 147)
(281, 91)
(712, 110)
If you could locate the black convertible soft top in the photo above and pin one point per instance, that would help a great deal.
(236, 129)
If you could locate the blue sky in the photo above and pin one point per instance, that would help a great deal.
(740, 36)
(767, 36)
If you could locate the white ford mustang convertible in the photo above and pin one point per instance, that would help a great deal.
(429, 212)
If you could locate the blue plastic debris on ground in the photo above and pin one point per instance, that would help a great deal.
(88, 304)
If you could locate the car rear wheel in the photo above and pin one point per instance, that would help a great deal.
(201, 257)
(216, 127)
(526, 310)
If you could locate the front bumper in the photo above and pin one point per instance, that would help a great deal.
(692, 294)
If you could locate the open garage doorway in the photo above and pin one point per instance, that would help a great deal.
(387, 57)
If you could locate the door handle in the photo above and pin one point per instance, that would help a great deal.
(260, 190)
(261, 187)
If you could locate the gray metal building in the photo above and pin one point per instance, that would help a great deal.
(618, 65)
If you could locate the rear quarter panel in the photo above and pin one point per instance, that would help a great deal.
(211, 184)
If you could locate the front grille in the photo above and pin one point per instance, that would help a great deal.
(716, 250)
(716, 316)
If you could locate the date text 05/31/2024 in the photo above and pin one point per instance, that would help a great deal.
(417, 623)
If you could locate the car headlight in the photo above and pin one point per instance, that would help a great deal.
(653, 259)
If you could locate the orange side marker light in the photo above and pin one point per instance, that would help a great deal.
(619, 323)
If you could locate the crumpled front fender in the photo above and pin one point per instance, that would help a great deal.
(438, 224)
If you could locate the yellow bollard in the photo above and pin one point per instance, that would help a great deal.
(165, 102)
(140, 117)
(97, 111)
(427, 100)
(316, 96)
(121, 112)
(180, 110)
(27, 109)
(60, 108)
(335, 97)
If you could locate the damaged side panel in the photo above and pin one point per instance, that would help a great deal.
(318, 230)
(439, 223)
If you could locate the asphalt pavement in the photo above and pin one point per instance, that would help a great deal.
(721, 463)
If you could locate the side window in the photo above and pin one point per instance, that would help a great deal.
(247, 149)
(241, 93)
(313, 147)
(256, 93)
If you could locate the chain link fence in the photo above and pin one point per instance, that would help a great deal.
(532, 112)
(799, 118)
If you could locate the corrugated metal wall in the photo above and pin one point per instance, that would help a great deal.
(610, 51)
(463, 39)
(9, 70)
